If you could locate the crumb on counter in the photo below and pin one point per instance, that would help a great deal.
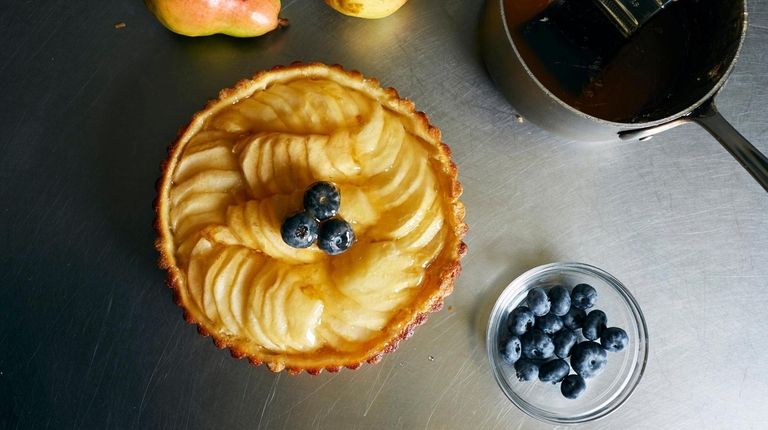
(120, 25)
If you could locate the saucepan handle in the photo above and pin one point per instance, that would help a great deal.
(744, 152)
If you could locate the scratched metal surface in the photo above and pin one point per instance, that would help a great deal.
(89, 335)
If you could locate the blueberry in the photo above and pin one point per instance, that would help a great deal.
(520, 320)
(560, 300)
(572, 386)
(594, 324)
(335, 236)
(511, 350)
(537, 345)
(322, 199)
(564, 340)
(526, 370)
(549, 323)
(588, 359)
(538, 302)
(299, 230)
(583, 296)
(614, 339)
(574, 319)
(554, 371)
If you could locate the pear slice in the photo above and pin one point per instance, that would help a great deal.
(369, 134)
(410, 187)
(191, 225)
(320, 109)
(344, 326)
(210, 181)
(401, 221)
(267, 312)
(387, 185)
(207, 139)
(237, 224)
(196, 275)
(230, 121)
(304, 318)
(426, 230)
(290, 315)
(404, 218)
(260, 280)
(348, 332)
(339, 150)
(249, 157)
(185, 248)
(290, 107)
(265, 170)
(196, 204)
(369, 268)
(259, 228)
(215, 158)
(238, 295)
(222, 235)
(387, 302)
(299, 160)
(273, 317)
(284, 179)
(300, 303)
(348, 315)
(282, 108)
(216, 271)
(222, 290)
(389, 144)
(357, 208)
(267, 164)
(262, 116)
(425, 255)
(319, 163)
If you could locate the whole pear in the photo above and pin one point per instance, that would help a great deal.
(239, 18)
(371, 9)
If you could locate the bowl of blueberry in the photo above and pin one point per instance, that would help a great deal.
(567, 343)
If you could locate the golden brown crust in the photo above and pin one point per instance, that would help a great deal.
(244, 88)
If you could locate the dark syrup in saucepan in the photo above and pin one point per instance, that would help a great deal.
(601, 73)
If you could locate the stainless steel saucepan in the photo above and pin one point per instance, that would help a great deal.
(669, 80)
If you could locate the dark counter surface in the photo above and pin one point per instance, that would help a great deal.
(90, 337)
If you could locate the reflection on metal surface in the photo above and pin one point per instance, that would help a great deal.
(645, 133)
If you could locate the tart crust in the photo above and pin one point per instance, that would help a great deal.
(439, 284)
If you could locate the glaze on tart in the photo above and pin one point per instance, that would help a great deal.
(240, 168)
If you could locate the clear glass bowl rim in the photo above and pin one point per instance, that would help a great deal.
(492, 347)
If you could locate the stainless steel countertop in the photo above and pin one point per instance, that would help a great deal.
(89, 335)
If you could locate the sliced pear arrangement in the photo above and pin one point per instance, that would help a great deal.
(311, 220)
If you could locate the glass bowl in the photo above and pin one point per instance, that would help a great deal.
(606, 391)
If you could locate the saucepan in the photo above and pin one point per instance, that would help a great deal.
(670, 77)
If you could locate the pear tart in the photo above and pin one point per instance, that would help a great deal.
(241, 167)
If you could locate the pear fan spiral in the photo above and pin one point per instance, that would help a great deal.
(244, 169)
